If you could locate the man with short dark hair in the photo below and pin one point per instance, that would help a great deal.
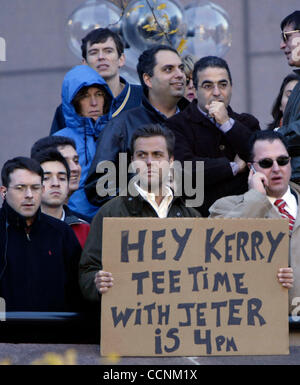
(209, 130)
(160, 70)
(67, 147)
(38, 254)
(290, 129)
(152, 153)
(56, 187)
(103, 50)
(270, 195)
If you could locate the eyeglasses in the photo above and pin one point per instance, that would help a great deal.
(285, 35)
(23, 188)
(210, 86)
(268, 162)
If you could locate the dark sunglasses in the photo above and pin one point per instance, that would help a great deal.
(268, 162)
(188, 80)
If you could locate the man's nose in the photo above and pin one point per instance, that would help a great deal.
(148, 160)
(55, 181)
(179, 73)
(275, 166)
(282, 44)
(28, 192)
(72, 166)
(216, 90)
(100, 54)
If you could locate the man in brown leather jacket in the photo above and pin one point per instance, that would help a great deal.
(152, 150)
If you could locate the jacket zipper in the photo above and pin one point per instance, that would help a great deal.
(27, 234)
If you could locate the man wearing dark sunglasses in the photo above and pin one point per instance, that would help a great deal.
(270, 195)
(290, 45)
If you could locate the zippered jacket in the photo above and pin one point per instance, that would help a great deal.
(38, 264)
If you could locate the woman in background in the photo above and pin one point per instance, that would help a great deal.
(188, 67)
(279, 105)
(86, 102)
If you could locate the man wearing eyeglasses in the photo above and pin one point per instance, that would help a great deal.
(290, 45)
(209, 130)
(270, 195)
(39, 254)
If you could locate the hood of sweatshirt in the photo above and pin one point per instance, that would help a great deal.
(78, 77)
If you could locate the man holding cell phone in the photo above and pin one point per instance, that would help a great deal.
(270, 195)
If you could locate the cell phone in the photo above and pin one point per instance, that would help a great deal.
(254, 172)
(253, 169)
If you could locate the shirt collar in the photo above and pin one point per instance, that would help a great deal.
(164, 116)
(202, 112)
(145, 194)
(63, 215)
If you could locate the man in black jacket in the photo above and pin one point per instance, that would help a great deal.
(67, 147)
(39, 254)
(160, 70)
(290, 129)
(152, 148)
(56, 187)
(209, 130)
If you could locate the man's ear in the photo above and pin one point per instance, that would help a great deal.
(122, 60)
(3, 191)
(249, 165)
(83, 61)
(147, 80)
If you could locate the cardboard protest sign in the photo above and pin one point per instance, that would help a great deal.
(192, 287)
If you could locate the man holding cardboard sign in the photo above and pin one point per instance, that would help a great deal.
(194, 286)
(149, 196)
(270, 195)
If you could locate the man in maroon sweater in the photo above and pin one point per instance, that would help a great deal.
(56, 188)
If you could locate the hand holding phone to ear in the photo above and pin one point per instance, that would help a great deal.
(257, 180)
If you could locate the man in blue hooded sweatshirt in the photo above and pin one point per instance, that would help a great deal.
(86, 104)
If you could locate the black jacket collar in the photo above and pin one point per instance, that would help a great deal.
(195, 115)
(182, 104)
(15, 219)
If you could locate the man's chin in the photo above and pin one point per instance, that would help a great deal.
(276, 191)
(73, 188)
(179, 95)
(28, 214)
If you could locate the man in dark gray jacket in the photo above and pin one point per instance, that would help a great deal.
(290, 129)
(160, 70)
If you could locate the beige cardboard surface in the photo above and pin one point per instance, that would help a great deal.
(193, 287)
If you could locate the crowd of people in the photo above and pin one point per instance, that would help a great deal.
(54, 204)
